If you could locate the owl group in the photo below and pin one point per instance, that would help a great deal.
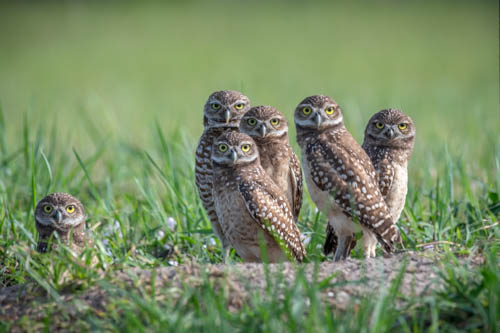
(250, 181)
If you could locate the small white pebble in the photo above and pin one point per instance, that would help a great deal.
(171, 223)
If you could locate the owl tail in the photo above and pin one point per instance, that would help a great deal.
(331, 240)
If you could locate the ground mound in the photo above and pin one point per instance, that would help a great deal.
(347, 282)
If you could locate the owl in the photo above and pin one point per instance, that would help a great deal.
(269, 129)
(389, 140)
(251, 208)
(341, 179)
(222, 112)
(64, 214)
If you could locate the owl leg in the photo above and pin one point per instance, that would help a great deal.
(369, 243)
(226, 248)
(343, 248)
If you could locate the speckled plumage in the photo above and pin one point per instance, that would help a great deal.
(249, 205)
(216, 121)
(269, 129)
(341, 179)
(60, 219)
(389, 149)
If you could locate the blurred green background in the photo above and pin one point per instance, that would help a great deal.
(111, 69)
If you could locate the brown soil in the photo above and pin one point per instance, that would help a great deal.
(349, 280)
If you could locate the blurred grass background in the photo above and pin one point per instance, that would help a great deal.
(112, 68)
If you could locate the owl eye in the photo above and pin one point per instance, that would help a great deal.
(47, 209)
(379, 125)
(330, 110)
(402, 126)
(245, 148)
(222, 147)
(239, 106)
(70, 209)
(306, 110)
(275, 121)
(252, 121)
(215, 106)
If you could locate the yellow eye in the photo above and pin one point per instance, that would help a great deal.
(402, 126)
(239, 106)
(47, 209)
(245, 148)
(379, 125)
(252, 121)
(70, 209)
(215, 106)
(330, 110)
(275, 121)
(306, 110)
(222, 147)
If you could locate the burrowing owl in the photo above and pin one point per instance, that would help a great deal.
(389, 140)
(269, 129)
(64, 214)
(341, 178)
(249, 205)
(222, 112)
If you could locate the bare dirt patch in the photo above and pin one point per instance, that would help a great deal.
(348, 280)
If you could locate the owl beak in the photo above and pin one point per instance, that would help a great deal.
(58, 216)
(227, 115)
(234, 156)
(389, 133)
(317, 119)
(262, 130)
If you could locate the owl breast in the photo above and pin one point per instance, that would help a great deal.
(396, 196)
(337, 219)
(240, 228)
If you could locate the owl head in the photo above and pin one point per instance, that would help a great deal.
(60, 211)
(234, 149)
(225, 108)
(264, 122)
(318, 112)
(390, 128)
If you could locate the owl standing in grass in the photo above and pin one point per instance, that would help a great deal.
(269, 129)
(222, 112)
(251, 208)
(341, 180)
(389, 140)
(63, 214)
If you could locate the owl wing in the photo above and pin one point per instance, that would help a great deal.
(273, 214)
(204, 183)
(342, 168)
(385, 171)
(297, 182)
(385, 176)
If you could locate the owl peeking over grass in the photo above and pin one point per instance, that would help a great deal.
(63, 214)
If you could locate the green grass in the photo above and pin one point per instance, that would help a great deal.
(104, 101)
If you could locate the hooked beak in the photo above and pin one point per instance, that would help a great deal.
(58, 216)
(227, 115)
(389, 133)
(317, 119)
(262, 130)
(234, 156)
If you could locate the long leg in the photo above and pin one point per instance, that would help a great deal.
(369, 243)
(343, 247)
